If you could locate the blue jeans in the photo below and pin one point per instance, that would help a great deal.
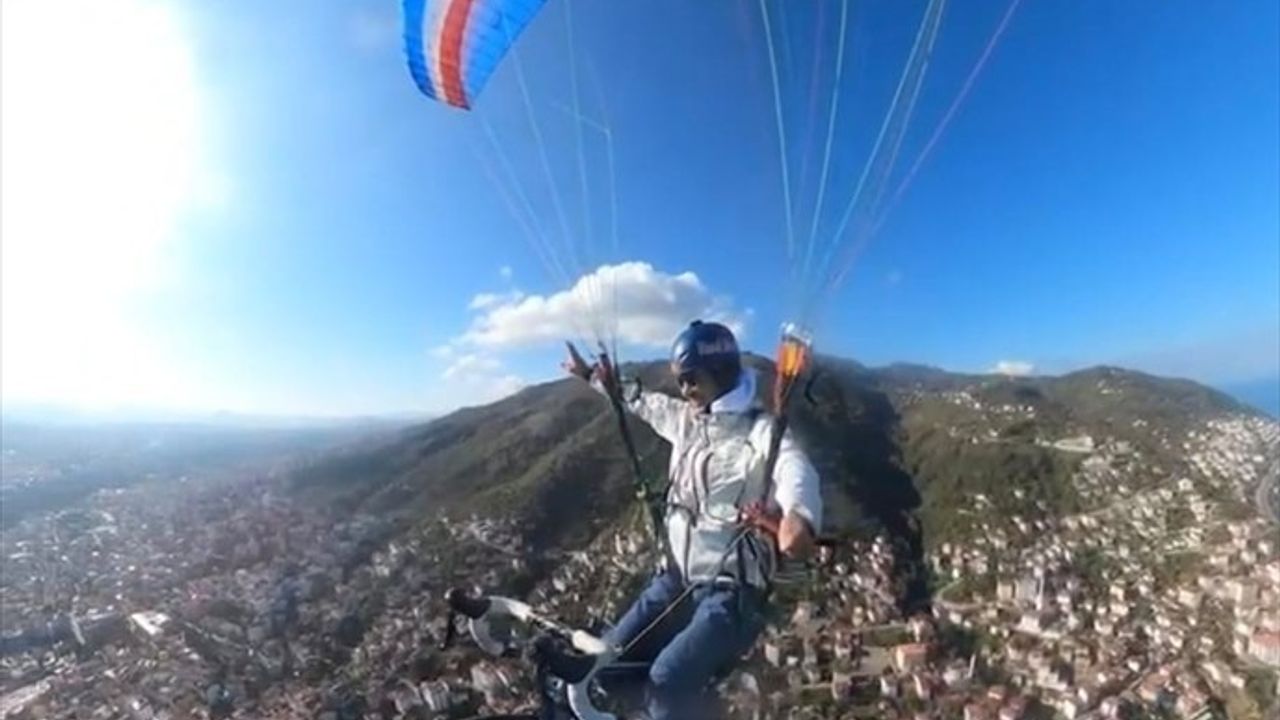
(697, 642)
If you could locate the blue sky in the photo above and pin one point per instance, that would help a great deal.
(1108, 192)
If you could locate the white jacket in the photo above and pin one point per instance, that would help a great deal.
(717, 467)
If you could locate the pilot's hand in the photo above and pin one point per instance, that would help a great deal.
(575, 364)
(763, 516)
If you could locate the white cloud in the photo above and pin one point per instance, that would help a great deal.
(499, 387)
(484, 301)
(1013, 368)
(650, 307)
(477, 378)
(102, 158)
(471, 365)
(505, 272)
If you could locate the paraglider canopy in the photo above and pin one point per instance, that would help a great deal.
(453, 46)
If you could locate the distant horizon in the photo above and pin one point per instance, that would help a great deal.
(1262, 394)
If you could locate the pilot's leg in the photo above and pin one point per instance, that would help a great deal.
(722, 629)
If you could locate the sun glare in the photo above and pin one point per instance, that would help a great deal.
(101, 158)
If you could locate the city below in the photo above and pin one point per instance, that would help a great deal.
(217, 595)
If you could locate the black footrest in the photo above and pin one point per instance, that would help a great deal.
(466, 605)
(562, 662)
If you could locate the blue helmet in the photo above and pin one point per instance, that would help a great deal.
(711, 347)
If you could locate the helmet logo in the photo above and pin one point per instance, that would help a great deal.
(717, 347)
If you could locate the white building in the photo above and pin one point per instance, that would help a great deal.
(1265, 646)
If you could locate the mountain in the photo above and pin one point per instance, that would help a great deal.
(551, 455)
(899, 449)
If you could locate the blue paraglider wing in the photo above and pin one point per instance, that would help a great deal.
(453, 46)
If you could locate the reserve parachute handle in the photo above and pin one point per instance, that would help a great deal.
(795, 354)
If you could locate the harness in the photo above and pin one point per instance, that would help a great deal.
(690, 495)
(793, 357)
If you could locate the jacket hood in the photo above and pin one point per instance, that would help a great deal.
(741, 398)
